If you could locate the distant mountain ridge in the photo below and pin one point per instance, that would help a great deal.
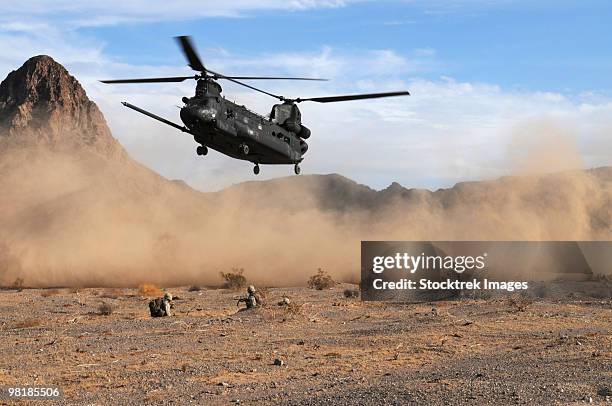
(338, 192)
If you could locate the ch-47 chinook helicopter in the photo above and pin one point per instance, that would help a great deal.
(234, 130)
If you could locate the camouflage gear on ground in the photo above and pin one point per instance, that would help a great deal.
(161, 307)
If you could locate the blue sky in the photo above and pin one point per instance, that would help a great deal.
(548, 45)
(478, 71)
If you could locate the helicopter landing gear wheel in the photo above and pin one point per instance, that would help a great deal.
(201, 150)
(256, 169)
(297, 169)
(245, 149)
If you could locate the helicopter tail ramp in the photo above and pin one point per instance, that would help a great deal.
(158, 118)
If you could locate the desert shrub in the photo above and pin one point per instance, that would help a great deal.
(321, 280)
(194, 288)
(105, 309)
(18, 284)
(235, 279)
(49, 292)
(148, 290)
(351, 293)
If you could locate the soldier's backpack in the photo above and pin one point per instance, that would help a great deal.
(156, 307)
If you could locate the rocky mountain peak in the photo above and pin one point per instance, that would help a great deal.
(42, 104)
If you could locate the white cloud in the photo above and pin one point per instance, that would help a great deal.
(74, 14)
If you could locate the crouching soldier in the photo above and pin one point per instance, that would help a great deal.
(253, 298)
(162, 306)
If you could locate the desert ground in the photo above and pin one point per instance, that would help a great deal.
(331, 349)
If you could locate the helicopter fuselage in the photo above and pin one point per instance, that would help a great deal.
(234, 130)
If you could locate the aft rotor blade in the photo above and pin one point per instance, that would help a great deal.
(220, 76)
(151, 80)
(331, 99)
(270, 78)
(190, 53)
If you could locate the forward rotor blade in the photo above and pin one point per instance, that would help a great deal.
(270, 78)
(151, 80)
(191, 54)
(220, 76)
(331, 99)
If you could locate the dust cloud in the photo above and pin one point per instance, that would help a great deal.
(77, 219)
(543, 146)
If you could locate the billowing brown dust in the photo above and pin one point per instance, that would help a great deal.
(76, 219)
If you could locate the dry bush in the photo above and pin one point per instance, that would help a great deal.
(105, 309)
(49, 292)
(322, 280)
(351, 293)
(194, 288)
(27, 323)
(234, 280)
(149, 290)
(519, 302)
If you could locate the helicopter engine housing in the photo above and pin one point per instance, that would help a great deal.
(304, 132)
(303, 146)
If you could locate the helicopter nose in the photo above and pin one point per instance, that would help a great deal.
(196, 116)
(188, 117)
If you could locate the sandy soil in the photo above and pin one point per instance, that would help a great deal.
(334, 350)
